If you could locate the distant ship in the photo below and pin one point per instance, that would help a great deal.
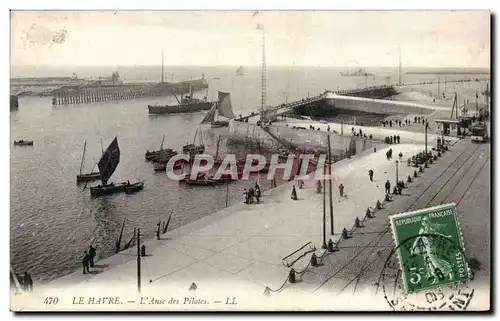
(240, 71)
(357, 73)
(188, 104)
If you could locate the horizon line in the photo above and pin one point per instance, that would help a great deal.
(259, 66)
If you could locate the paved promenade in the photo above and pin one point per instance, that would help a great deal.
(238, 252)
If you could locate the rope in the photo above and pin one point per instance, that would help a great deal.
(280, 288)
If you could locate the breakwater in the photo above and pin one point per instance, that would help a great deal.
(102, 93)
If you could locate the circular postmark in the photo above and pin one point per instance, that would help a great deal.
(426, 272)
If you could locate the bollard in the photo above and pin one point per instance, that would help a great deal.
(143, 250)
(379, 205)
(426, 164)
(267, 291)
(446, 147)
(394, 191)
(420, 169)
(409, 179)
(415, 174)
(374, 149)
(330, 246)
(344, 234)
(291, 276)
(314, 260)
(357, 222)
(431, 160)
(368, 213)
(439, 153)
(193, 287)
(387, 199)
(435, 157)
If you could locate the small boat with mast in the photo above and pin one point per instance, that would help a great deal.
(107, 165)
(222, 108)
(86, 177)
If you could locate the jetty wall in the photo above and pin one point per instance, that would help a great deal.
(111, 92)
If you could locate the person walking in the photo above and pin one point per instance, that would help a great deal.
(27, 282)
(387, 187)
(370, 173)
(85, 263)
(92, 254)
(158, 231)
(341, 190)
(294, 194)
(245, 195)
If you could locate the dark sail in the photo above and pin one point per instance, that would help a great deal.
(224, 107)
(109, 161)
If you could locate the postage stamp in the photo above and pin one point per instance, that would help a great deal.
(430, 248)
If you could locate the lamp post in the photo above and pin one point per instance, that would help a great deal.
(426, 125)
(139, 260)
(397, 173)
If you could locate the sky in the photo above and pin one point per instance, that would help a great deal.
(229, 38)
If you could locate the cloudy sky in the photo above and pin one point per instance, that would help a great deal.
(303, 38)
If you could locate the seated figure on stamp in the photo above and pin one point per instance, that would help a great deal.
(436, 266)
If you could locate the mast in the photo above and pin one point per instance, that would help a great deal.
(400, 67)
(162, 73)
(163, 139)
(217, 149)
(139, 260)
(83, 156)
(263, 72)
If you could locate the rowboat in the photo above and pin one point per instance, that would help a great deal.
(86, 177)
(23, 142)
(134, 188)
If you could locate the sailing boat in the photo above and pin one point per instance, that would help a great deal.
(86, 177)
(222, 108)
(107, 165)
(192, 149)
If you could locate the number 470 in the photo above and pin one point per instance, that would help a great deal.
(51, 300)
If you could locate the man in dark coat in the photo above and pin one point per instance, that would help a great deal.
(341, 189)
(370, 173)
(85, 263)
(27, 282)
(387, 187)
(294, 193)
(92, 254)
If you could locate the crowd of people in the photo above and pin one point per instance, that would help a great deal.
(88, 259)
(253, 193)
(405, 122)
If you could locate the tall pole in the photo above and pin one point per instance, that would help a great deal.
(397, 173)
(426, 125)
(330, 185)
(324, 207)
(162, 66)
(400, 67)
(139, 260)
(263, 73)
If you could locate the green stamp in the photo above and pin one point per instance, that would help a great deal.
(430, 248)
